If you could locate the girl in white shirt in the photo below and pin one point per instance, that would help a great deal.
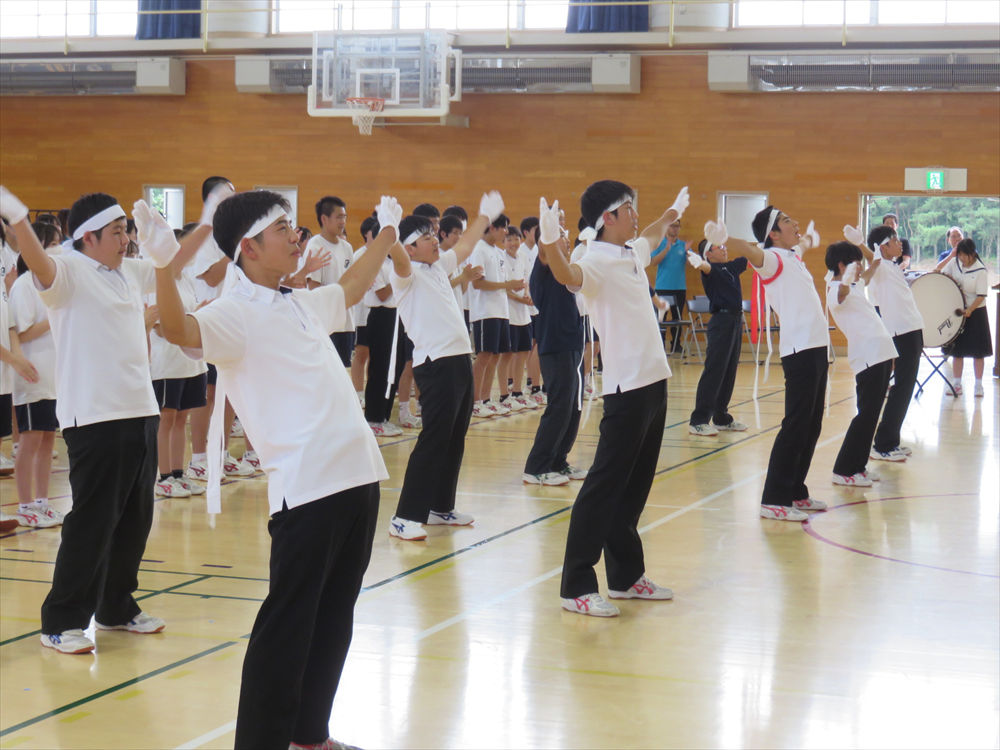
(965, 267)
(870, 352)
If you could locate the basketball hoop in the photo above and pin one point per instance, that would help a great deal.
(364, 111)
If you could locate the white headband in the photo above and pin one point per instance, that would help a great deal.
(99, 220)
(775, 213)
(465, 224)
(613, 207)
(588, 233)
(276, 213)
(413, 236)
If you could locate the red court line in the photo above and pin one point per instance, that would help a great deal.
(808, 527)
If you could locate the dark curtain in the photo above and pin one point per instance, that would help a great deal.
(169, 25)
(607, 17)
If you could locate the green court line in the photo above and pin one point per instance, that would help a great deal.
(113, 688)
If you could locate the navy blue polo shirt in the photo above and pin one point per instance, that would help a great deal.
(722, 285)
(558, 325)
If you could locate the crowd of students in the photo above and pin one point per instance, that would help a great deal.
(308, 341)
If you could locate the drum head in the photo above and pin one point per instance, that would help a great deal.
(938, 298)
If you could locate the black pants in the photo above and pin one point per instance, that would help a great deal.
(909, 346)
(606, 512)
(112, 470)
(381, 321)
(6, 414)
(343, 342)
(299, 642)
(869, 385)
(724, 339)
(559, 423)
(676, 309)
(446, 398)
(792, 452)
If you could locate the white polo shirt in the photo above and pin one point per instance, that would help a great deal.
(530, 257)
(488, 304)
(793, 296)
(381, 280)
(429, 311)
(166, 360)
(341, 256)
(895, 300)
(578, 252)
(461, 297)
(359, 312)
(868, 341)
(27, 309)
(617, 294)
(8, 260)
(516, 269)
(286, 381)
(973, 281)
(102, 364)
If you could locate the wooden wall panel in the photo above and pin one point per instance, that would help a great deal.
(814, 153)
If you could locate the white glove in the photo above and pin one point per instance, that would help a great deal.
(218, 194)
(11, 207)
(156, 238)
(548, 222)
(853, 235)
(681, 202)
(812, 234)
(491, 205)
(389, 213)
(850, 273)
(716, 232)
(697, 261)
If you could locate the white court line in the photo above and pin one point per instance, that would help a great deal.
(444, 624)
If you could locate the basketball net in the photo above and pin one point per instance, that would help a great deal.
(364, 111)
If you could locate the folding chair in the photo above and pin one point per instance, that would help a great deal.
(698, 307)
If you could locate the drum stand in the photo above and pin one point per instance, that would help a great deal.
(936, 369)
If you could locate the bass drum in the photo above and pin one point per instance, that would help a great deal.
(940, 301)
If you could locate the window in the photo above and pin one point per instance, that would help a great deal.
(168, 200)
(864, 12)
(289, 192)
(737, 211)
(54, 18)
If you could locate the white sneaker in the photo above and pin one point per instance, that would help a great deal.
(734, 426)
(855, 480)
(142, 623)
(549, 479)
(809, 504)
(451, 518)
(197, 470)
(894, 455)
(6, 466)
(68, 642)
(236, 430)
(872, 474)
(782, 513)
(411, 531)
(573, 472)
(955, 390)
(44, 518)
(411, 422)
(643, 589)
(233, 468)
(705, 430)
(170, 487)
(499, 408)
(193, 488)
(513, 404)
(593, 605)
(390, 430)
(417, 411)
(540, 398)
(978, 392)
(479, 411)
(904, 450)
(526, 402)
(250, 458)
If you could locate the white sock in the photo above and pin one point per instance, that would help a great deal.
(203, 457)
(404, 409)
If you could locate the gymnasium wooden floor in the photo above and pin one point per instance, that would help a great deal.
(874, 625)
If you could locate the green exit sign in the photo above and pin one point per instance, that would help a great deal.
(935, 179)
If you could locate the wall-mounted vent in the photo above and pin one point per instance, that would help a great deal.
(549, 74)
(92, 77)
(273, 75)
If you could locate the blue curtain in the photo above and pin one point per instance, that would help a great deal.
(607, 17)
(169, 25)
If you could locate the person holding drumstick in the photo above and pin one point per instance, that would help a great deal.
(964, 266)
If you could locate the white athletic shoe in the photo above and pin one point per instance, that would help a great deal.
(142, 623)
(38, 518)
(573, 472)
(479, 412)
(549, 479)
(894, 455)
(705, 430)
(499, 408)
(237, 429)
(872, 474)
(593, 605)
(68, 642)
(540, 398)
(233, 468)
(809, 504)
(411, 422)
(855, 480)
(411, 531)
(526, 401)
(782, 513)
(193, 488)
(170, 487)
(513, 404)
(450, 518)
(643, 589)
(197, 470)
(6, 466)
(250, 458)
(978, 392)
(734, 426)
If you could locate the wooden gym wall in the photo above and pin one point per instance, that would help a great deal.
(814, 153)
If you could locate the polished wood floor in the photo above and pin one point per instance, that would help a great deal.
(875, 625)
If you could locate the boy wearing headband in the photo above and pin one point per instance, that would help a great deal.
(107, 411)
(803, 347)
(442, 369)
(285, 378)
(611, 275)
